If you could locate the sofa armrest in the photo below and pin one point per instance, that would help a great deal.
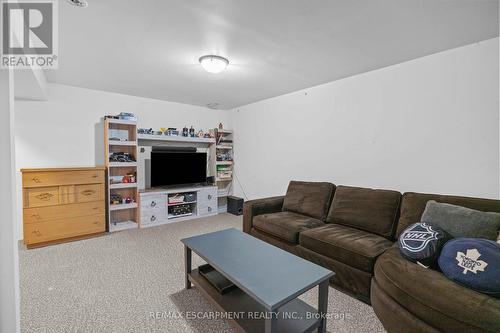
(256, 207)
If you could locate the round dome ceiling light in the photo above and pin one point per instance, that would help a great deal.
(213, 63)
(79, 3)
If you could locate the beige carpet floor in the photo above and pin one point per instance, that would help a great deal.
(115, 283)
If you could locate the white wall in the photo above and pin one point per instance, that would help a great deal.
(9, 263)
(67, 131)
(429, 125)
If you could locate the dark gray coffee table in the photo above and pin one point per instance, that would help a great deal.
(269, 281)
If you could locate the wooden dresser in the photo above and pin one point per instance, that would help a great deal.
(62, 204)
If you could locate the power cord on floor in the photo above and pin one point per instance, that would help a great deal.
(239, 183)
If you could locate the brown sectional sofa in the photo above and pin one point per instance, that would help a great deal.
(352, 231)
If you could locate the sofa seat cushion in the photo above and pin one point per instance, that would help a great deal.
(350, 246)
(371, 210)
(433, 298)
(309, 198)
(285, 225)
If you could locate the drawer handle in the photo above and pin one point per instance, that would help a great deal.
(95, 176)
(209, 209)
(209, 197)
(88, 192)
(36, 180)
(153, 218)
(44, 196)
(153, 203)
(36, 232)
(36, 216)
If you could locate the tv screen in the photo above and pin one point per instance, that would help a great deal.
(178, 168)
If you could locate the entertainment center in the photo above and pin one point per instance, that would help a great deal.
(166, 178)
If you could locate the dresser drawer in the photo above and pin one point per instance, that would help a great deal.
(86, 193)
(46, 178)
(42, 196)
(58, 229)
(41, 214)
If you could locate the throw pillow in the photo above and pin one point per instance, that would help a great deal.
(473, 263)
(422, 244)
(461, 221)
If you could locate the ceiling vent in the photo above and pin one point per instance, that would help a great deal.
(79, 3)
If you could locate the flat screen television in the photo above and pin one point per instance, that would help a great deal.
(178, 168)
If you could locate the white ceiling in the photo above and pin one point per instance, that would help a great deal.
(151, 48)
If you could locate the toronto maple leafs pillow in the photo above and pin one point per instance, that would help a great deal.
(474, 263)
(422, 244)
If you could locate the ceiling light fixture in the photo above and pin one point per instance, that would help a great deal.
(213, 63)
(79, 3)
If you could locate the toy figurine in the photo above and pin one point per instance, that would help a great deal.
(191, 132)
(185, 131)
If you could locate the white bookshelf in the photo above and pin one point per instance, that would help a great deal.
(223, 168)
(125, 215)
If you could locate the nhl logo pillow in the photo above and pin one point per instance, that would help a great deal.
(422, 243)
(474, 263)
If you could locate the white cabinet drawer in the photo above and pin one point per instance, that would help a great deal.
(154, 202)
(207, 197)
(153, 217)
(206, 210)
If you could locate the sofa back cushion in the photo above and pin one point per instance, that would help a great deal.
(309, 198)
(367, 209)
(413, 206)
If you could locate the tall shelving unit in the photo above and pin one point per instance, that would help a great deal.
(124, 215)
(224, 166)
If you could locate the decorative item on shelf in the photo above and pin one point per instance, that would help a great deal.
(224, 156)
(115, 199)
(189, 197)
(129, 178)
(172, 131)
(127, 116)
(221, 126)
(163, 130)
(176, 199)
(111, 117)
(185, 131)
(211, 132)
(207, 136)
(200, 134)
(115, 179)
(191, 132)
(148, 131)
(121, 157)
(128, 200)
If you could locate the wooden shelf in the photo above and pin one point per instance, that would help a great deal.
(180, 203)
(121, 121)
(122, 206)
(171, 217)
(122, 143)
(237, 301)
(224, 179)
(123, 226)
(122, 164)
(174, 138)
(122, 185)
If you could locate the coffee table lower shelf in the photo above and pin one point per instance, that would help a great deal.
(237, 301)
